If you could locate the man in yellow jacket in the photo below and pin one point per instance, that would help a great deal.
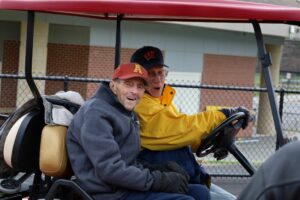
(167, 134)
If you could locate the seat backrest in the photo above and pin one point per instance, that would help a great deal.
(21, 146)
(20, 139)
(53, 160)
(10, 140)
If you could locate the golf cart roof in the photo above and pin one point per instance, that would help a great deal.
(164, 10)
(171, 10)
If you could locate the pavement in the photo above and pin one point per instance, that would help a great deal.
(229, 174)
(233, 185)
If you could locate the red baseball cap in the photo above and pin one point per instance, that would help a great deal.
(130, 70)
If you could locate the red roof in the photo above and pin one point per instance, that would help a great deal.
(182, 10)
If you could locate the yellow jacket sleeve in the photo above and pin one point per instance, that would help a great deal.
(163, 127)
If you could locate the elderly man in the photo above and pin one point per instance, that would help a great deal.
(103, 143)
(167, 134)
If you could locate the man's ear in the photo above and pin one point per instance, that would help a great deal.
(112, 86)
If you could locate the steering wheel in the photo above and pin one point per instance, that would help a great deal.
(221, 141)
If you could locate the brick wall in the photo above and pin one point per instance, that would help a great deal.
(102, 60)
(228, 71)
(101, 64)
(10, 65)
(66, 59)
(82, 61)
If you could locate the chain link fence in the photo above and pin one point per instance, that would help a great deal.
(257, 142)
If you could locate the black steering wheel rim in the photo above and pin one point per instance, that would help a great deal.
(223, 138)
(210, 139)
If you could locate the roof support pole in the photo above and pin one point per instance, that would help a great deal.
(118, 41)
(266, 62)
(28, 55)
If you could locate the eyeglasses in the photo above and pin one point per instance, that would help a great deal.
(161, 73)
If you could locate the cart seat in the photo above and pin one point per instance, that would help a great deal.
(53, 153)
(54, 162)
(21, 146)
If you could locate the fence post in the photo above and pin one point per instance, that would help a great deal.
(66, 83)
(281, 101)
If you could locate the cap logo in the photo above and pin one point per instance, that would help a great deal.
(137, 69)
(150, 55)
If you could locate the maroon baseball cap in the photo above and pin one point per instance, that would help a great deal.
(130, 70)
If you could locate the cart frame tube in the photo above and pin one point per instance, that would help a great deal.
(266, 62)
(118, 41)
(28, 55)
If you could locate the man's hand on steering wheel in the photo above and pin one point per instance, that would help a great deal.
(230, 111)
(221, 140)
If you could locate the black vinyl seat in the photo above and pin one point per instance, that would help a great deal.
(21, 148)
(20, 143)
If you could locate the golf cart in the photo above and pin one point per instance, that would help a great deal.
(24, 133)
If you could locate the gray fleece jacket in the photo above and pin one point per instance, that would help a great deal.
(278, 178)
(103, 142)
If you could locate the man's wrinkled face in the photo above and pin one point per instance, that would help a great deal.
(128, 91)
(156, 80)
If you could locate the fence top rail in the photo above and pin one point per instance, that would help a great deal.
(56, 78)
(194, 85)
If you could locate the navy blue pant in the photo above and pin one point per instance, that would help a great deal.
(196, 192)
(185, 158)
